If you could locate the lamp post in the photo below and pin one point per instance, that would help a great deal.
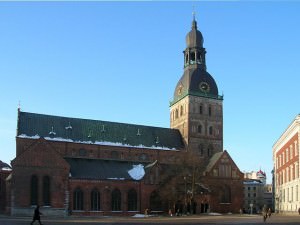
(185, 194)
(251, 208)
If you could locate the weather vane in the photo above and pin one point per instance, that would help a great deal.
(194, 13)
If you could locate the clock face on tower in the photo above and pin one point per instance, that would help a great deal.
(203, 86)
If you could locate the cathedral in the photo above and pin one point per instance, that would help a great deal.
(75, 166)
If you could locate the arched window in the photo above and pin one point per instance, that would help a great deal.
(181, 110)
(116, 200)
(34, 187)
(210, 130)
(155, 201)
(209, 110)
(176, 113)
(200, 129)
(200, 109)
(78, 199)
(209, 150)
(46, 190)
(95, 200)
(132, 200)
(193, 56)
(201, 149)
(226, 195)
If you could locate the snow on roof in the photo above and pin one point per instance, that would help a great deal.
(137, 172)
(96, 142)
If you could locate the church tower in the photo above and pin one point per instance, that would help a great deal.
(197, 109)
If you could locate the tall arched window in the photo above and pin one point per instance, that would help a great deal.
(95, 200)
(201, 149)
(78, 199)
(181, 110)
(34, 187)
(200, 129)
(209, 150)
(210, 130)
(226, 195)
(155, 201)
(132, 200)
(46, 190)
(209, 111)
(116, 200)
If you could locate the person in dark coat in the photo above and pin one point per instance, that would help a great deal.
(37, 215)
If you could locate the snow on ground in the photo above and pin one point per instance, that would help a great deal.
(214, 214)
(139, 216)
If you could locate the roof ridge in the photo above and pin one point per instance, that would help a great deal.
(105, 121)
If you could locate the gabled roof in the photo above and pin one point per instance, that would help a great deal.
(57, 128)
(213, 160)
(100, 169)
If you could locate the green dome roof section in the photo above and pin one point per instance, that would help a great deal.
(194, 38)
(196, 82)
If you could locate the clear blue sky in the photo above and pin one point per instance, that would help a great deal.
(120, 61)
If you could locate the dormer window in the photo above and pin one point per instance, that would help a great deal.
(52, 133)
(69, 127)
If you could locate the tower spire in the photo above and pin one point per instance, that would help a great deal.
(194, 23)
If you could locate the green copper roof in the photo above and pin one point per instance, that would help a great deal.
(57, 128)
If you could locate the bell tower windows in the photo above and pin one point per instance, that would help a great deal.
(193, 56)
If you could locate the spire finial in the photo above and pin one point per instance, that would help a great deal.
(194, 13)
(194, 23)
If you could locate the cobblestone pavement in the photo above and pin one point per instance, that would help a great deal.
(203, 220)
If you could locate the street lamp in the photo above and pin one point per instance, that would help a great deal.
(185, 194)
(251, 208)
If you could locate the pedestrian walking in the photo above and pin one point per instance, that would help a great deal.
(37, 215)
(265, 213)
(269, 212)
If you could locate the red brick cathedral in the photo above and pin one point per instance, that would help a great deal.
(73, 166)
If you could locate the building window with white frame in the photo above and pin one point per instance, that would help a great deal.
(280, 161)
(297, 193)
